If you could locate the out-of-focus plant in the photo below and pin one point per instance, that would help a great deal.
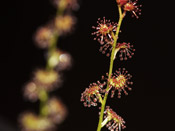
(51, 110)
(107, 33)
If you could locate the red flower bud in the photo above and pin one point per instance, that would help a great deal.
(122, 2)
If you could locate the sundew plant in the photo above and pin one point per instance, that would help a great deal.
(52, 111)
(107, 34)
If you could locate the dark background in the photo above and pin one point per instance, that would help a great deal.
(148, 107)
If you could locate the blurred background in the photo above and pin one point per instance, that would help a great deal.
(149, 106)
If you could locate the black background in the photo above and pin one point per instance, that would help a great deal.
(148, 107)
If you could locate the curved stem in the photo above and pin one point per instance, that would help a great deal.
(43, 94)
(111, 67)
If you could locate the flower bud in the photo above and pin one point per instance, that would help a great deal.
(122, 2)
(133, 7)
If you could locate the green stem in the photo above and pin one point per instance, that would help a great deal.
(53, 41)
(43, 94)
(111, 67)
(52, 48)
(43, 97)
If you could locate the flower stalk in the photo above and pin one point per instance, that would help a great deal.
(51, 109)
(113, 54)
(43, 94)
(107, 34)
(43, 97)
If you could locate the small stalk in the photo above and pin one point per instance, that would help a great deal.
(107, 119)
(100, 98)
